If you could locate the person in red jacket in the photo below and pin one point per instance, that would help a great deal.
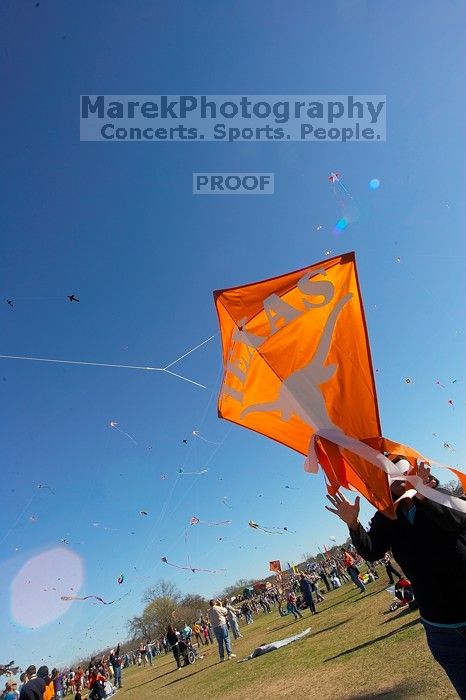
(352, 570)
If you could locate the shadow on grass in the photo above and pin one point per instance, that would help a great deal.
(332, 627)
(374, 641)
(156, 678)
(280, 627)
(182, 676)
(354, 599)
(401, 691)
(402, 613)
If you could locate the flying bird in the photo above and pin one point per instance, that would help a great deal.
(72, 297)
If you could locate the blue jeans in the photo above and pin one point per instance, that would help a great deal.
(235, 628)
(221, 635)
(354, 573)
(117, 673)
(448, 647)
(293, 609)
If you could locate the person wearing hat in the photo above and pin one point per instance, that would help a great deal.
(421, 527)
(11, 691)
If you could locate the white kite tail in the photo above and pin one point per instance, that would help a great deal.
(381, 462)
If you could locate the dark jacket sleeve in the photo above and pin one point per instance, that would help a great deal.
(373, 544)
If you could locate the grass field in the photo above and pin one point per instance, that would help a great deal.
(356, 651)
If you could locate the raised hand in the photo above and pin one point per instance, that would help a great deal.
(346, 511)
(423, 471)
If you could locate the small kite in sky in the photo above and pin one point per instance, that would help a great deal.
(202, 471)
(319, 227)
(113, 424)
(72, 298)
(120, 579)
(408, 380)
(447, 446)
(192, 568)
(268, 530)
(10, 303)
(453, 381)
(339, 188)
(44, 486)
(185, 442)
(143, 512)
(32, 518)
(334, 539)
(439, 383)
(450, 401)
(292, 488)
(398, 259)
(95, 597)
(197, 434)
(196, 521)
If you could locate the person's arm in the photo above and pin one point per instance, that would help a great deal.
(371, 545)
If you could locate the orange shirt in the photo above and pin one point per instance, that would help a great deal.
(49, 691)
(348, 560)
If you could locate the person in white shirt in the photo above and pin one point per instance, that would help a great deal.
(217, 617)
(233, 620)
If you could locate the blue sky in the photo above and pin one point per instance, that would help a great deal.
(117, 225)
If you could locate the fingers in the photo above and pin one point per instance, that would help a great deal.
(332, 510)
(336, 499)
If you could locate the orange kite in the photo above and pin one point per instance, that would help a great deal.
(275, 566)
(297, 368)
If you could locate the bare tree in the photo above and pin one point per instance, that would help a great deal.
(161, 589)
(236, 588)
(454, 487)
(190, 608)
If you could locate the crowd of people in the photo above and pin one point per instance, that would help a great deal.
(102, 677)
(292, 594)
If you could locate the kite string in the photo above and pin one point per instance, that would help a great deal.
(116, 365)
(15, 523)
(167, 501)
(188, 353)
(195, 480)
(150, 538)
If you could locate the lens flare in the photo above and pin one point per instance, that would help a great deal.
(38, 585)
